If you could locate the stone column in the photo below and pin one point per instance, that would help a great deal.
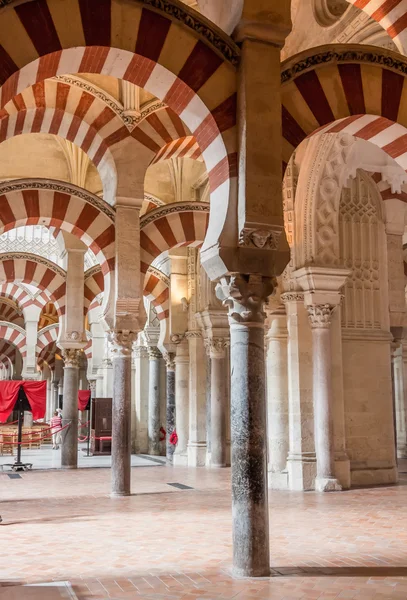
(154, 401)
(245, 295)
(277, 398)
(197, 399)
(121, 412)
(320, 316)
(170, 364)
(208, 411)
(399, 365)
(182, 403)
(69, 453)
(140, 400)
(219, 372)
(55, 398)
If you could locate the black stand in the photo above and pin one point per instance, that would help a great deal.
(21, 405)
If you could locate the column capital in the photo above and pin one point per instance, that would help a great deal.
(169, 358)
(321, 285)
(71, 357)
(320, 315)
(154, 353)
(122, 342)
(245, 295)
(216, 346)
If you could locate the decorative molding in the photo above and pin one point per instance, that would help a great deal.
(191, 335)
(140, 352)
(292, 297)
(55, 186)
(169, 209)
(92, 271)
(320, 315)
(130, 120)
(34, 258)
(159, 274)
(153, 199)
(12, 326)
(344, 54)
(263, 239)
(71, 358)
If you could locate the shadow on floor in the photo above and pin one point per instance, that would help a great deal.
(339, 572)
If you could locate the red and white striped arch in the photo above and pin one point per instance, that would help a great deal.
(185, 147)
(28, 268)
(157, 290)
(64, 206)
(14, 335)
(10, 312)
(47, 336)
(94, 285)
(22, 298)
(391, 15)
(202, 93)
(171, 226)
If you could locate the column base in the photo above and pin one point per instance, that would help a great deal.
(327, 484)
(196, 454)
(180, 460)
(243, 573)
(120, 494)
(208, 459)
(69, 466)
(302, 470)
(278, 480)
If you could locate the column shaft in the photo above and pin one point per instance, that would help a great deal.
(218, 412)
(154, 402)
(121, 426)
(182, 403)
(69, 452)
(170, 405)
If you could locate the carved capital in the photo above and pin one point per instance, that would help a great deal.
(154, 353)
(177, 338)
(140, 352)
(92, 386)
(245, 295)
(262, 238)
(216, 346)
(71, 357)
(169, 358)
(122, 342)
(320, 315)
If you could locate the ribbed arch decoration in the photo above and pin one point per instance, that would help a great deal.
(159, 46)
(172, 226)
(391, 15)
(359, 90)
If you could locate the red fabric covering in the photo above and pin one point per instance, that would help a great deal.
(83, 399)
(36, 392)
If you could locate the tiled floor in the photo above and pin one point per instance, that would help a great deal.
(165, 543)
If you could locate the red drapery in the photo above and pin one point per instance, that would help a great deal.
(83, 399)
(36, 392)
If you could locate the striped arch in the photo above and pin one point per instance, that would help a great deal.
(9, 311)
(157, 290)
(94, 285)
(170, 53)
(47, 336)
(185, 147)
(48, 316)
(391, 15)
(22, 267)
(46, 356)
(12, 333)
(351, 89)
(64, 206)
(170, 226)
(21, 296)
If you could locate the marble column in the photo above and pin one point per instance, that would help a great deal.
(55, 397)
(245, 295)
(219, 371)
(197, 399)
(170, 364)
(154, 401)
(320, 316)
(182, 403)
(69, 452)
(121, 412)
(277, 398)
(399, 365)
(208, 411)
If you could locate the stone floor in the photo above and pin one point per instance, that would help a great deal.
(169, 543)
